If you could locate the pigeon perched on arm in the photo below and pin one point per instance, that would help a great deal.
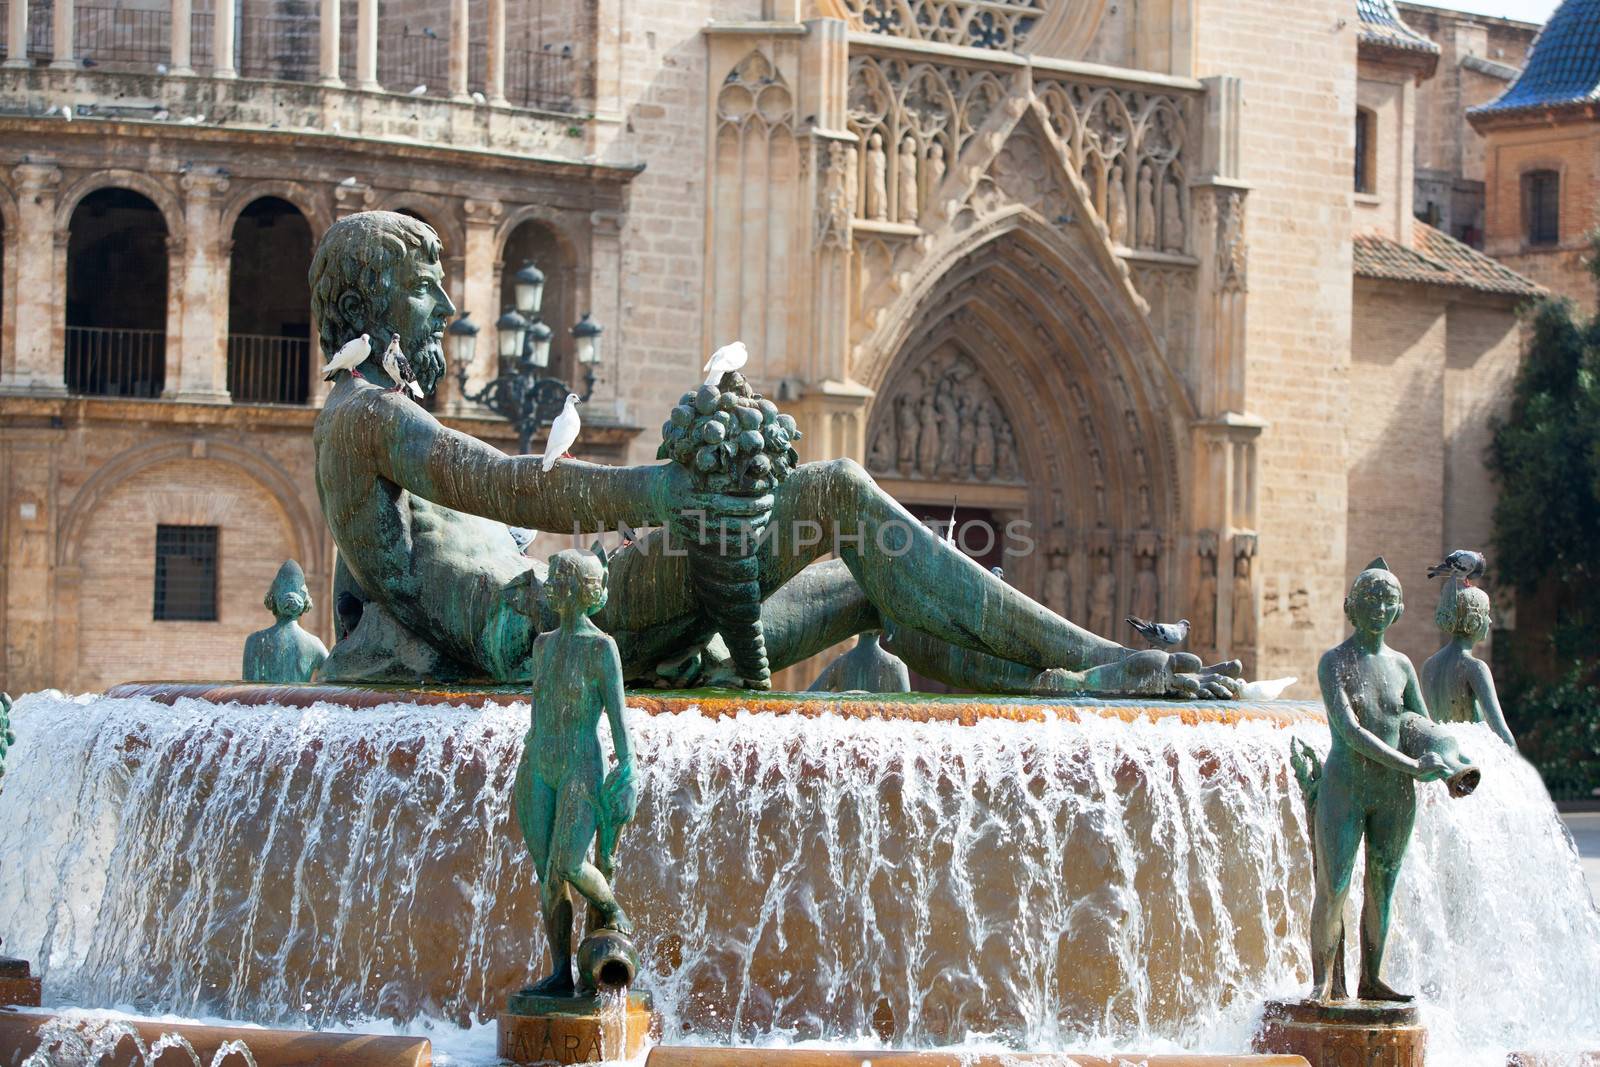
(1161, 634)
(725, 359)
(1463, 563)
(350, 357)
(563, 431)
(398, 368)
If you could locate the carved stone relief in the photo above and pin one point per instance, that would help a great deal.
(941, 420)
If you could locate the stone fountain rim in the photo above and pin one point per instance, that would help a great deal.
(966, 710)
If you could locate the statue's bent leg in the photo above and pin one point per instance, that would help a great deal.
(823, 605)
(913, 576)
(570, 840)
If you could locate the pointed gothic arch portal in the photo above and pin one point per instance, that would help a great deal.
(1013, 392)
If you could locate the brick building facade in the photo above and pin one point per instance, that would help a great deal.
(1095, 267)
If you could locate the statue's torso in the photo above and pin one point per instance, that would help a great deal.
(440, 572)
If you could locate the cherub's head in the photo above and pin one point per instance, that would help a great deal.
(380, 273)
(1467, 614)
(288, 597)
(1374, 601)
(577, 581)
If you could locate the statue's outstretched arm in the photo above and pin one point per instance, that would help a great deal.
(412, 449)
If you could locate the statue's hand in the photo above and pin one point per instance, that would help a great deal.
(1431, 767)
(693, 511)
(619, 794)
(1219, 681)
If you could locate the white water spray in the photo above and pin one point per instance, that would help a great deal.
(1050, 886)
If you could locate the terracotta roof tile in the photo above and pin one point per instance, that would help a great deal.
(1436, 258)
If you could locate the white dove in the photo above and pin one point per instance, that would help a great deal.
(351, 356)
(398, 368)
(563, 432)
(417, 90)
(1271, 689)
(725, 359)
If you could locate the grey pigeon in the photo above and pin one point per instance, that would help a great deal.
(998, 572)
(1463, 563)
(398, 368)
(1161, 634)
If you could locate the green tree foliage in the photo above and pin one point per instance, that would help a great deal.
(1546, 458)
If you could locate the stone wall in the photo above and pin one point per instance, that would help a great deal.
(1431, 368)
(1296, 153)
(1571, 148)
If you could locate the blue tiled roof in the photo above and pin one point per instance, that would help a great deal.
(1564, 66)
(1382, 25)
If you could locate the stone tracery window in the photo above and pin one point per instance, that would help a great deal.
(1001, 25)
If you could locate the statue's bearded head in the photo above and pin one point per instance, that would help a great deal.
(380, 273)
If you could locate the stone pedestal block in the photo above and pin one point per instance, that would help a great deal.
(551, 1030)
(1354, 1033)
(17, 984)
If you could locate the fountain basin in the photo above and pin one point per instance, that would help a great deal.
(1040, 875)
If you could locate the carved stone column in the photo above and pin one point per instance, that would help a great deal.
(367, 45)
(480, 289)
(222, 62)
(329, 33)
(17, 36)
(458, 50)
(182, 37)
(66, 24)
(201, 342)
(37, 362)
(495, 73)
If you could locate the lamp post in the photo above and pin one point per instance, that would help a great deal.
(521, 394)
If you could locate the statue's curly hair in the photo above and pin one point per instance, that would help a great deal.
(575, 577)
(1467, 614)
(359, 254)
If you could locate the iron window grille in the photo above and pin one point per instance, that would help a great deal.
(186, 574)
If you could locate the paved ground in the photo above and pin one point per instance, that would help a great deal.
(1585, 827)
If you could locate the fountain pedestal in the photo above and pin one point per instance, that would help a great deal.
(583, 1029)
(1371, 1033)
(17, 983)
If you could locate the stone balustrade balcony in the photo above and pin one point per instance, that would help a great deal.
(340, 72)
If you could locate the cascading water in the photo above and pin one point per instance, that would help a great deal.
(1046, 886)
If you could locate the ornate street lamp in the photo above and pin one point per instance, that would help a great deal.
(528, 286)
(521, 394)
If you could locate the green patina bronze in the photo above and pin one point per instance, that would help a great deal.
(7, 738)
(566, 800)
(1383, 742)
(867, 668)
(284, 652)
(1458, 685)
(419, 514)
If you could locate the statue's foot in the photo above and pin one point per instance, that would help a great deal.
(559, 984)
(1374, 989)
(617, 921)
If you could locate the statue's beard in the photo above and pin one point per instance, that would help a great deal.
(427, 361)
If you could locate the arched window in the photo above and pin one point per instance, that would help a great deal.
(1541, 206)
(116, 296)
(1366, 150)
(269, 305)
(534, 242)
